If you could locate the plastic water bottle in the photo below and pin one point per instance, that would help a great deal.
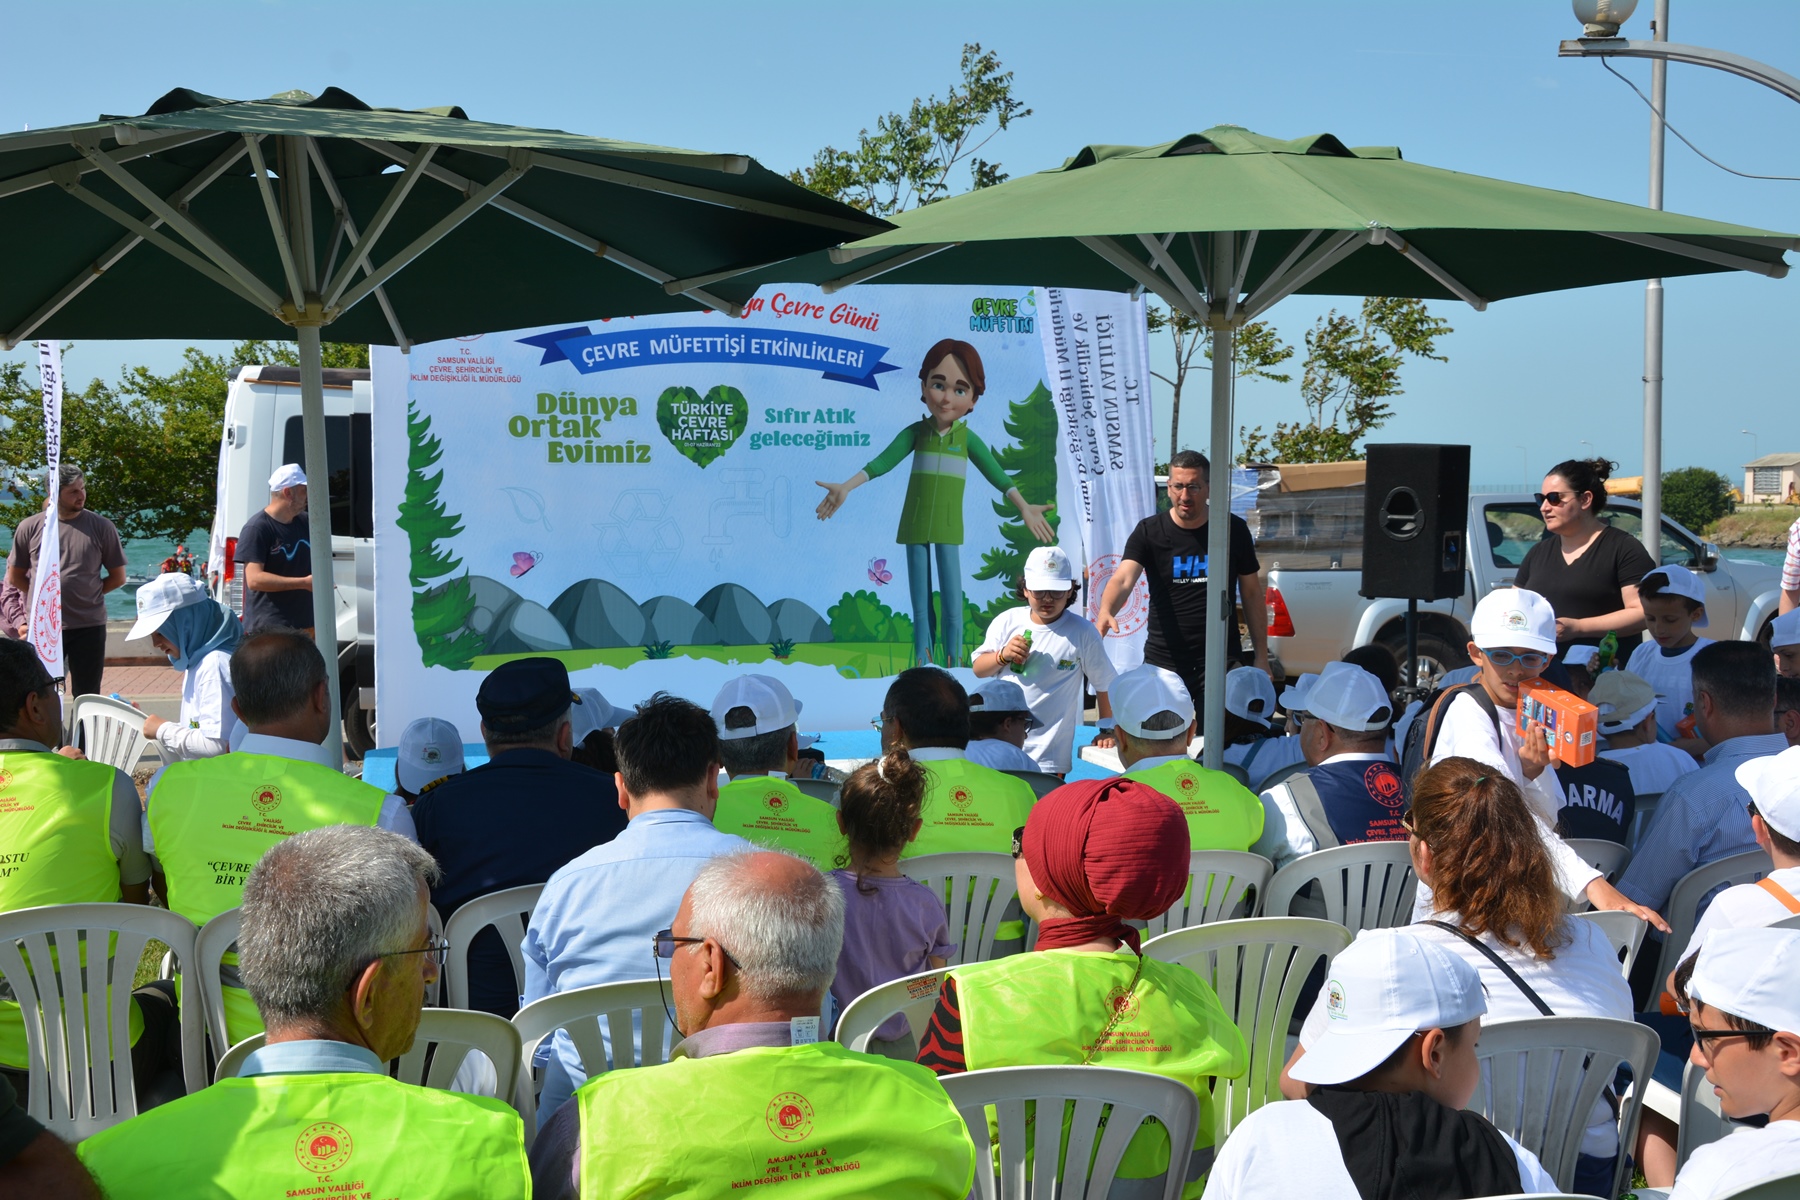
(1019, 667)
(1609, 651)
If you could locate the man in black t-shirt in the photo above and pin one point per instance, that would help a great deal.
(275, 551)
(1169, 550)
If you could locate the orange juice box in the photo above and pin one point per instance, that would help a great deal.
(1570, 723)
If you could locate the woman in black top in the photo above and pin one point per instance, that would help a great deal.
(1588, 570)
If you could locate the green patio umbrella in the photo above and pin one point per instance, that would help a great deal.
(1226, 223)
(210, 218)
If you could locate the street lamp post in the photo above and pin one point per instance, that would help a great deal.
(1755, 453)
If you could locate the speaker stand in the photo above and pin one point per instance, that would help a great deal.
(1410, 688)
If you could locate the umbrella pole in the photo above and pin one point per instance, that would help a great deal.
(318, 517)
(1219, 608)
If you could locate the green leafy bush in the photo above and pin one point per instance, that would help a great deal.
(782, 648)
(1696, 496)
(862, 617)
(663, 649)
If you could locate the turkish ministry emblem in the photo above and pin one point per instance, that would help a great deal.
(789, 1117)
(266, 798)
(323, 1147)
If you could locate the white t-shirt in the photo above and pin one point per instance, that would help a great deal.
(1288, 1150)
(1672, 675)
(1263, 758)
(1062, 653)
(1733, 1163)
(207, 721)
(1654, 766)
(1744, 906)
(999, 755)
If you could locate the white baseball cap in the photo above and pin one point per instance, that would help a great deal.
(287, 475)
(1384, 987)
(1293, 696)
(1141, 693)
(1581, 656)
(592, 711)
(999, 695)
(1773, 781)
(1350, 698)
(1785, 630)
(1048, 569)
(1679, 581)
(162, 596)
(1250, 694)
(430, 748)
(1624, 700)
(1513, 617)
(1749, 972)
(764, 695)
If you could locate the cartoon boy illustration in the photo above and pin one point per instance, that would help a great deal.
(942, 446)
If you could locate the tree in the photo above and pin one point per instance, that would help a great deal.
(1352, 368)
(907, 161)
(1030, 461)
(1255, 352)
(1696, 496)
(441, 612)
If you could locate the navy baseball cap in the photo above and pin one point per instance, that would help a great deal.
(526, 693)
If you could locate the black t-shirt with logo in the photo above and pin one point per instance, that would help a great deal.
(1175, 567)
(284, 549)
(1598, 801)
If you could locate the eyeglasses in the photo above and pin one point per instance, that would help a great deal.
(1702, 1038)
(1532, 661)
(437, 947)
(1186, 487)
(1406, 822)
(880, 722)
(1018, 841)
(663, 945)
(1554, 499)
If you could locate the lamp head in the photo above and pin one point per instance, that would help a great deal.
(1602, 18)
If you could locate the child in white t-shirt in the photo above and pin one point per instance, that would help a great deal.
(999, 723)
(1627, 707)
(1744, 1002)
(1050, 650)
(1774, 786)
(1674, 600)
(1250, 740)
(1784, 640)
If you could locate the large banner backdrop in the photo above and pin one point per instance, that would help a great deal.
(638, 497)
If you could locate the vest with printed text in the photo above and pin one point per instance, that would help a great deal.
(1048, 1008)
(824, 1121)
(1362, 800)
(775, 813)
(969, 807)
(318, 1137)
(1222, 814)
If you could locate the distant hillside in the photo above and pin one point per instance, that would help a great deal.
(1764, 525)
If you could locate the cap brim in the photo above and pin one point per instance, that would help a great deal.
(149, 623)
(1342, 1057)
(1046, 583)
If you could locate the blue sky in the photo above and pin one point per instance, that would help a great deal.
(1470, 87)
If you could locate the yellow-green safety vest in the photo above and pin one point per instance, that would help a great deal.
(969, 807)
(773, 812)
(315, 1137)
(55, 848)
(211, 819)
(1222, 814)
(821, 1120)
(1047, 1008)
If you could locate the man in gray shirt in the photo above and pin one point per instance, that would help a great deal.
(93, 564)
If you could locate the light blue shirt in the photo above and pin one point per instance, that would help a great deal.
(312, 1057)
(597, 915)
(1701, 818)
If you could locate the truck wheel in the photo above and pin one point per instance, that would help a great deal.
(359, 728)
(1437, 657)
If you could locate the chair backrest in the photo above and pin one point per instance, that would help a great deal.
(1640, 816)
(976, 888)
(1702, 1120)
(507, 911)
(1608, 858)
(1624, 930)
(1101, 1108)
(1258, 969)
(217, 938)
(819, 789)
(1779, 1187)
(445, 1037)
(1237, 772)
(1683, 912)
(1217, 881)
(1041, 783)
(914, 995)
(75, 999)
(1544, 1075)
(626, 1008)
(1280, 775)
(1792, 922)
(111, 731)
(1369, 885)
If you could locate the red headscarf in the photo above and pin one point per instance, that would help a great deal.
(1106, 850)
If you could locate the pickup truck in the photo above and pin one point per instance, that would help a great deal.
(1309, 540)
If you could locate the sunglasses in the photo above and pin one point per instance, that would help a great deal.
(1555, 499)
(663, 945)
(1531, 661)
(1406, 822)
(1018, 846)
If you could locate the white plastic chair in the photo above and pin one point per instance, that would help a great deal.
(1103, 1107)
(975, 887)
(1217, 881)
(1544, 1074)
(1608, 858)
(444, 1039)
(1257, 968)
(819, 789)
(217, 938)
(1641, 816)
(1369, 885)
(1683, 912)
(111, 731)
(78, 1057)
(1280, 775)
(1042, 784)
(508, 911)
(914, 995)
(1702, 1120)
(1624, 930)
(633, 1005)
(1778, 1187)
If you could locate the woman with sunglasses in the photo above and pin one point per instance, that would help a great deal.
(1590, 570)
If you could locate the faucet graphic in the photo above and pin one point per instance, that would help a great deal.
(748, 500)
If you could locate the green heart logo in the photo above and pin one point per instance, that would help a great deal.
(702, 429)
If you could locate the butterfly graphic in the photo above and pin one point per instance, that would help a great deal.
(878, 572)
(523, 561)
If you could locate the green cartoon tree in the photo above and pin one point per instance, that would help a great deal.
(440, 611)
(1031, 463)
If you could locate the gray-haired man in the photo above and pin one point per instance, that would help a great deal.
(337, 952)
(93, 564)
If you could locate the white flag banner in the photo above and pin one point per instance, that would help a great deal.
(46, 630)
(1097, 353)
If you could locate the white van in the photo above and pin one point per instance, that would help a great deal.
(262, 431)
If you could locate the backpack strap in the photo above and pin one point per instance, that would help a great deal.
(1537, 1001)
(1312, 810)
(1782, 896)
(1435, 718)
